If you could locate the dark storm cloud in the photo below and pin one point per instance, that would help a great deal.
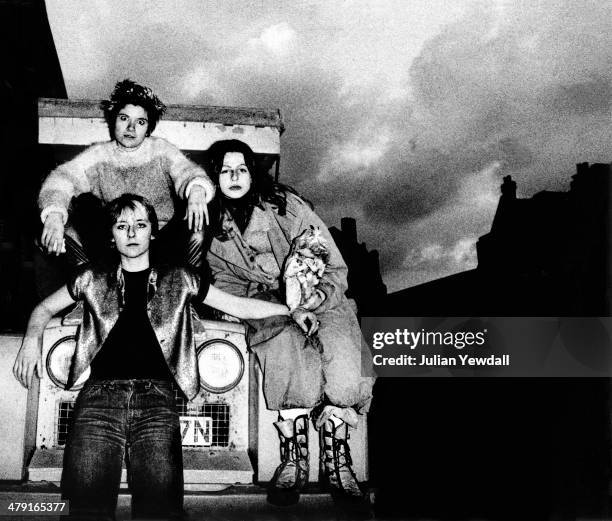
(591, 96)
(312, 112)
(527, 75)
(156, 55)
(528, 87)
(402, 200)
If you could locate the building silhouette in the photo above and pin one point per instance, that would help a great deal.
(365, 284)
(30, 69)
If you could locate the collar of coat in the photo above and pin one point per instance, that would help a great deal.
(281, 232)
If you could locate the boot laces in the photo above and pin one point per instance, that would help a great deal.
(291, 450)
(338, 467)
(342, 469)
(342, 455)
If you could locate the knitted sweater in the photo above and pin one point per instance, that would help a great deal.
(156, 170)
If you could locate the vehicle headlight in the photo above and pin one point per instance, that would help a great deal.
(220, 364)
(59, 359)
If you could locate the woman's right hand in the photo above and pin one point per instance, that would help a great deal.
(53, 233)
(307, 320)
(28, 359)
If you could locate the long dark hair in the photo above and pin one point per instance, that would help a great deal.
(263, 187)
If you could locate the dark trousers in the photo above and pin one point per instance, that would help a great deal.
(131, 420)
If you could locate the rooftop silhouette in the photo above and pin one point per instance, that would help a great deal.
(544, 255)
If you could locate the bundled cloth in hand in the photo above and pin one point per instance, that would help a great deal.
(304, 267)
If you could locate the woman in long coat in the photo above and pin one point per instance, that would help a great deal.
(253, 227)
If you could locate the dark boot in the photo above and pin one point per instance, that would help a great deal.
(292, 474)
(337, 474)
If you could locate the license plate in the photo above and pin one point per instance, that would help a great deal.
(196, 430)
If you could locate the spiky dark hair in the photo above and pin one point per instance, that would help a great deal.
(128, 92)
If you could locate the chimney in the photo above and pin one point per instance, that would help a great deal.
(582, 168)
(349, 229)
(508, 188)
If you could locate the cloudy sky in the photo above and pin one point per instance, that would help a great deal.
(404, 114)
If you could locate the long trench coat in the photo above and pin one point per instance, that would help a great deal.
(296, 374)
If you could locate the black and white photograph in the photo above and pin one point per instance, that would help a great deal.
(312, 260)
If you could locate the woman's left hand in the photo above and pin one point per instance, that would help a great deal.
(307, 320)
(28, 361)
(197, 210)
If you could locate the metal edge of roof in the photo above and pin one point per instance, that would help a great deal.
(81, 108)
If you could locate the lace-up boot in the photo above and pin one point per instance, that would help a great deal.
(291, 475)
(336, 468)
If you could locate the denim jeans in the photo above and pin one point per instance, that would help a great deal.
(135, 420)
